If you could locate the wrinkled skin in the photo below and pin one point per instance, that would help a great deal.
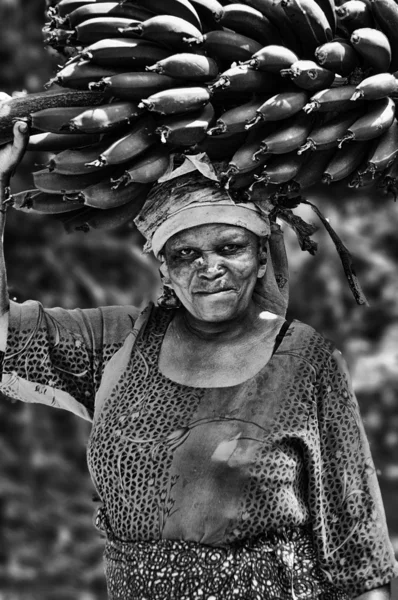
(213, 270)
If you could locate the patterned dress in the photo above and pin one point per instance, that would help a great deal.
(264, 490)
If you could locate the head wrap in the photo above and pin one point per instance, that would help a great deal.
(193, 199)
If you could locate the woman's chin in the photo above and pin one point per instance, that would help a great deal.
(216, 307)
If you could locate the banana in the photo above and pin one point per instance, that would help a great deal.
(193, 67)
(272, 58)
(105, 9)
(376, 87)
(209, 12)
(134, 86)
(354, 14)
(308, 17)
(325, 135)
(307, 75)
(78, 75)
(244, 79)
(378, 119)
(219, 147)
(331, 99)
(236, 119)
(176, 101)
(75, 161)
(138, 139)
(124, 53)
(329, 8)
(111, 218)
(102, 195)
(229, 46)
(64, 7)
(54, 120)
(311, 172)
(94, 30)
(385, 13)
(147, 169)
(246, 158)
(389, 180)
(21, 107)
(278, 107)
(337, 56)
(186, 130)
(101, 119)
(55, 183)
(281, 168)
(76, 220)
(385, 152)
(374, 47)
(33, 200)
(59, 39)
(344, 162)
(55, 142)
(168, 30)
(290, 136)
(182, 9)
(250, 22)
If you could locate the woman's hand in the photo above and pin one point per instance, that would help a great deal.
(11, 154)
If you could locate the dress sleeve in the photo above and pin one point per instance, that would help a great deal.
(349, 525)
(57, 356)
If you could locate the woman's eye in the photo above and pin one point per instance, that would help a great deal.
(186, 252)
(230, 248)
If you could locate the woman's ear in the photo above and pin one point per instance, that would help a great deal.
(164, 273)
(262, 255)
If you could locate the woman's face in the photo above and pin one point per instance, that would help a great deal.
(213, 270)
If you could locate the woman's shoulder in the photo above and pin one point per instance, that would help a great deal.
(304, 340)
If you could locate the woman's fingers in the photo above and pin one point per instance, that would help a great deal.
(12, 153)
(4, 97)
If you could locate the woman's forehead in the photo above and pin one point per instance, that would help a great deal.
(213, 233)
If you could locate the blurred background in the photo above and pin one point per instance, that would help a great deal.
(48, 546)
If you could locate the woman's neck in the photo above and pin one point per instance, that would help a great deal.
(222, 331)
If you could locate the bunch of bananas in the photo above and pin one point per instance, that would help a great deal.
(285, 93)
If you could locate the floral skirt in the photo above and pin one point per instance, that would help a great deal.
(277, 566)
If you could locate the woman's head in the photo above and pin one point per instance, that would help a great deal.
(213, 269)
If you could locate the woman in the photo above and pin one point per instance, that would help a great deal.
(226, 446)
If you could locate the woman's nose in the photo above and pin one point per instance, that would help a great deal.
(210, 266)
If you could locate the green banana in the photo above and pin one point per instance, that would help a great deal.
(331, 99)
(55, 183)
(329, 8)
(281, 168)
(354, 14)
(110, 218)
(78, 75)
(338, 56)
(246, 158)
(33, 200)
(138, 139)
(56, 142)
(134, 86)
(94, 30)
(308, 75)
(243, 78)
(280, 106)
(219, 147)
(250, 22)
(176, 101)
(124, 53)
(344, 162)
(209, 12)
(385, 13)
(188, 66)
(147, 169)
(389, 179)
(311, 172)
(105, 9)
(54, 120)
(22, 106)
(272, 58)
(378, 119)
(182, 9)
(186, 130)
(308, 17)
(376, 87)
(171, 31)
(64, 7)
(384, 153)
(374, 47)
(75, 161)
(289, 136)
(236, 119)
(101, 119)
(229, 47)
(326, 135)
(102, 194)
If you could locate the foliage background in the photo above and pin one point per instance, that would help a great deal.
(48, 547)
